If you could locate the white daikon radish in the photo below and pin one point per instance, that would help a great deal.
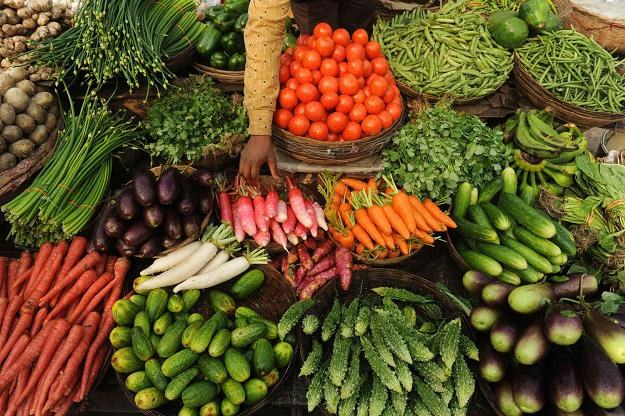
(217, 261)
(172, 259)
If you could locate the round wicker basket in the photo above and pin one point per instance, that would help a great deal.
(270, 301)
(455, 255)
(542, 98)
(409, 92)
(182, 60)
(610, 35)
(225, 77)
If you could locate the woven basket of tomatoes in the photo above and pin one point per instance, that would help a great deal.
(338, 101)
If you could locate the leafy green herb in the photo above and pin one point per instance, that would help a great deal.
(611, 303)
(440, 149)
(194, 120)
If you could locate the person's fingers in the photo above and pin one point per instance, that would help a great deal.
(244, 169)
(254, 170)
(273, 167)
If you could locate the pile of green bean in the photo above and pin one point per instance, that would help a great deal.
(445, 53)
(575, 69)
(127, 40)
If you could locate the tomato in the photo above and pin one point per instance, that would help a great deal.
(397, 100)
(292, 84)
(299, 54)
(356, 67)
(325, 46)
(299, 125)
(388, 96)
(386, 118)
(286, 59)
(311, 42)
(282, 117)
(287, 98)
(315, 111)
(372, 49)
(372, 125)
(373, 103)
(329, 100)
(311, 59)
(307, 92)
(378, 86)
(322, 29)
(368, 68)
(354, 51)
(304, 75)
(294, 67)
(316, 76)
(328, 84)
(336, 122)
(358, 113)
(341, 37)
(390, 79)
(380, 66)
(343, 68)
(300, 110)
(345, 104)
(395, 110)
(360, 96)
(332, 137)
(318, 131)
(360, 37)
(361, 82)
(329, 67)
(301, 41)
(284, 75)
(339, 53)
(352, 131)
(348, 84)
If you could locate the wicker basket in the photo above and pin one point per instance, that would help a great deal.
(564, 8)
(270, 301)
(455, 255)
(409, 92)
(181, 61)
(610, 35)
(542, 98)
(225, 77)
(318, 152)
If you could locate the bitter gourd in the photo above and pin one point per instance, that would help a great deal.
(349, 319)
(379, 397)
(377, 337)
(354, 375)
(347, 407)
(401, 295)
(310, 323)
(362, 320)
(292, 316)
(314, 395)
(313, 360)
(411, 314)
(464, 382)
(432, 310)
(420, 409)
(432, 372)
(449, 342)
(393, 339)
(431, 400)
(364, 396)
(339, 360)
(468, 348)
(448, 392)
(399, 400)
(404, 375)
(331, 322)
(331, 396)
(379, 367)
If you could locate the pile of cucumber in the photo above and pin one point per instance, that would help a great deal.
(504, 237)
(207, 366)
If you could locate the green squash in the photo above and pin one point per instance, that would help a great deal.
(535, 13)
(553, 23)
(510, 33)
(499, 16)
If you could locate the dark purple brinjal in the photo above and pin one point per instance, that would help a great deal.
(99, 239)
(528, 387)
(562, 324)
(206, 203)
(564, 383)
(571, 288)
(483, 317)
(170, 242)
(474, 281)
(169, 186)
(492, 364)
(602, 379)
(144, 188)
(608, 334)
(192, 225)
(530, 299)
(173, 225)
(187, 204)
(532, 345)
(505, 399)
(557, 412)
(114, 227)
(592, 409)
(504, 334)
(151, 247)
(137, 233)
(127, 206)
(124, 249)
(202, 178)
(495, 294)
(154, 216)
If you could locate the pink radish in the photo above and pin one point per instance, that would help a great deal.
(238, 228)
(260, 212)
(296, 199)
(225, 208)
(272, 203)
(262, 238)
(321, 219)
(301, 231)
(292, 238)
(277, 234)
(281, 213)
(313, 218)
(245, 209)
(343, 261)
(289, 225)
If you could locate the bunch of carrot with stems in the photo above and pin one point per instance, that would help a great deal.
(56, 315)
(379, 224)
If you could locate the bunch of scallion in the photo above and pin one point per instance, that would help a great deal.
(122, 40)
(67, 192)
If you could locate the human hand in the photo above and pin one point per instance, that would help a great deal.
(257, 151)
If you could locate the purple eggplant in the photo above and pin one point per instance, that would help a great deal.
(606, 333)
(564, 382)
(151, 247)
(173, 225)
(562, 324)
(530, 299)
(99, 239)
(125, 249)
(505, 399)
(532, 345)
(187, 204)
(169, 242)
(169, 186)
(144, 188)
(557, 412)
(592, 409)
(206, 203)
(495, 294)
(529, 387)
(202, 178)
(492, 364)
(571, 288)
(483, 317)
(192, 225)
(137, 233)
(114, 227)
(154, 216)
(504, 334)
(127, 206)
(474, 281)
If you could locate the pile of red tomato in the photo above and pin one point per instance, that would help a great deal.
(335, 87)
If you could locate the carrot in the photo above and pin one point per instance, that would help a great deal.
(17, 287)
(340, 189)
(381, 253)
(363, 219)
(4, 281)
(401, 243)
(438, 214)
(360, 249)
(345, 210)
(95, 369)
(57, 333)
(361, 235)
(22, 379)
(63, 406)
(38, 320)
(355, 184)
(110, 264)
(4, 399)
(345, 238)
(93, 290)
(401, 205)
(421, 222)
(88, 262)
(4, 302)
(21, 327)
(7, 322)
(42, 256)
(95, 301)
(87, 279)
(372, 184)
(433, 223)
(424, 237)
(26, 261)
(397, 224)
(44, 278)
(390, 243)
(394, 253)
(101, 266)
(376, 213)
(12, 274)
(75, 252)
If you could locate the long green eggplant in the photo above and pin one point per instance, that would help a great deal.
(529, 387)
(483, 317)
(504, 334)
(505, 399)
(609, 335)
(564, 382)
(492, 364)
(562, 324)
(474, 281)
(591, 409)
(531, 299)
(532, 345)
(496, 294)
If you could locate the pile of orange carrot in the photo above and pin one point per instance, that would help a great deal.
(378, 223)
(55, 314)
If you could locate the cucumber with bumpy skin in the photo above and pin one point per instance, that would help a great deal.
(540, 245)
(489, 191)
(533, 258)
(496, 217)
(462, 200)
(476, 232)
(503, 255)
(482, 263)
(526, 215)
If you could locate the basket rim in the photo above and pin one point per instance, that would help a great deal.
(379, 262)
(409, 91)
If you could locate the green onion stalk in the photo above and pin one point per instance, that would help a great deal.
(65, 195)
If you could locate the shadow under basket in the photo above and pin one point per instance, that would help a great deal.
(542, 98)
(271, 301)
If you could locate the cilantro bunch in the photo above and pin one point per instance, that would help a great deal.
(194, 120)
(440, 148)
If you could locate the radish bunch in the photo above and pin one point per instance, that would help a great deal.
(265, 216)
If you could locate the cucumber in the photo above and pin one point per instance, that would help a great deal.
(190, 298)
(510, 181)
(560, 260)
(175, 304)
(462, 200)
(200, 393)
(220, 343)
(247, 284)
(510, 277)
(188, 411)
(137, 282)
(245, 312)
(202, 338)
(534, 259)
(212, 368)
(241, 322)
(189, 332)
(162, 323)
(182, 316)
(242, 337)
(179, 362)
(255, 390)
(124, 312)
(237, 366)
(210, 409)
(476, 214)
(564, 239)
(527, 216)
(530, 275)
(272, 328)
(141, 344)
(283, 354)
(150, 398)
(195, 317)
(503, 255)
(137, 381)
(476, 232)
(221, 301)
(234, 391)
(263, 357)
(126, 361)
(272, 378)
(155, 374)
(528, 195)
(489, 191)
(142, 321)
(483, 263)
(156, 304)
(155, 340)
(496, 217)
(120, 337)
(475, 194)
(228, 408)
(138, 300)
(539, 245)
(170, 342)
(177, 385)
